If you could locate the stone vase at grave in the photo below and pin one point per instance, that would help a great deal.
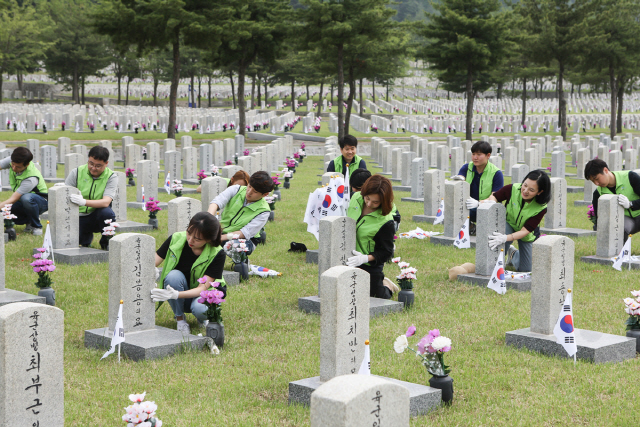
(31, 365)
(551, 278)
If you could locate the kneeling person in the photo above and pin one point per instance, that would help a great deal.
(626, 184)
(30, 194)
(98, 185)
(244, 210)
(348, 148)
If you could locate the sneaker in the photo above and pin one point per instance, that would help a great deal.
(184, 328)
(203, 324)
(389, 284)
(512, 250)
(37, 231)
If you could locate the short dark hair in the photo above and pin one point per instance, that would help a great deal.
(358, 178)
(481, 147)
(381, 186)
(205, 226)
(238, 176)
(261, 182)
(348, 140)
(544, 185)
(594, 167)
(99, 153)
(22, 155)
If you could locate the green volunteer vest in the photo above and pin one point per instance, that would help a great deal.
(368, 225)
(337, 162)
(235, 216)
(228, 181)
(517, 214)
(486, 180)
(623, 186)
(91, 189)
(30, 171)
(199, 267)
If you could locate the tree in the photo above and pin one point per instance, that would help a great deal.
(155, 24)
(467, 40)
(77, 51)
(157, 64)
(254, 27)
(612, 44)
(557, 24)
(20, 38)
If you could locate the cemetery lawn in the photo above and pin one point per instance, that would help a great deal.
(269, 342)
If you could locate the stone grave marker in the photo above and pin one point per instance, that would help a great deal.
(133, 154)
(433, 183)
(49, 160)
(131, 278)
(172, 165)
(583, 156)
(31, 365)
(168, 144)
(185, 141)
(551, 278)
(555, 220)
(610, 234)
(181, 210)
(405, 172)
(189, 165)
(589, 188)
(344, 327)
(64, 148)
(519, 173)
(205, 157)
(443, 158)
(34, 146)
(80, 149)
(455, 212)
(558, 164)
(211, 187)
(153, 152)
(359, 401)
(418, 167)
(396, 158)
(64, 223)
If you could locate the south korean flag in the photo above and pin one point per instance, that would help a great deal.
(497, 282)
(624, 255)
(440, 214)
(564, 330)
(330, 203)
(463, 239)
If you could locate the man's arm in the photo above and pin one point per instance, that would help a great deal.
(251, 229)
(221, 200)
(108, 194)
(331, 167)
(26, 186)
(498, 182)
(11, 200)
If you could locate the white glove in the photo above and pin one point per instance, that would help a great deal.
(158, 271)
(472, 203)
(357, 259)
(487, 201)
(624, 201)
(458, 178)
(231, 236)
(77, 199)
(159, 295)
(496, 240)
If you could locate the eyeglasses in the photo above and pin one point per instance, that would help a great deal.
(96, 166)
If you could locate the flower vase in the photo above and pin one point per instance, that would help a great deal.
(635, 333)
(132, 183)
(243, 269)
(49, 294)
(444, 383)
(62, 127)
(136, 130)
(301, 159)
(407, 297)
(272, 216)
(287, 185)
(11, 233)
(153, 222)
(263, 237)
(215, 331)
(92, 130)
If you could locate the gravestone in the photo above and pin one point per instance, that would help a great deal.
(531, 158)
(119, 207)
(457, 160)
(396, 157)
(603, 154)
(418, 167)
(589, 188)
(405, 171)
(189, 165)
(443, 159)
(205, 157)
(432, 157)
(133, 154)
(496, 160)
(4, 173)
(519, 173)
(359, 401)
(630, 159)
(336, 244)
(615, 160)
(185, 141)
(181, 210)
(171, 165)
(218, 153)
(153, 152)
(456, 213)
(131, 278)
(510, 160)
(147, 171)
(34, 146)
(610, 234)
(229, 171)
(64, 223)
(555, 220)
(80, 149)
(551, 278)
(211, 187)
(239, 143)
(64, 148)
(433, 183)
(31, 365)
(49, 163)
(168, 144)
(490, 218)
(558, 164)
(344, 327)
(583, 156)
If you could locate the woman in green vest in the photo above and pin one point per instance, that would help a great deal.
(526, 206)
(371, 208)
(188, 256)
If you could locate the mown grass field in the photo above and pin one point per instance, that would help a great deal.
(269, 342)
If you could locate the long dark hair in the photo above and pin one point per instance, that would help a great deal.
(544, 185)
(206, 226)
(381, 186)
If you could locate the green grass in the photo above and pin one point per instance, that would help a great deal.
(269, 342)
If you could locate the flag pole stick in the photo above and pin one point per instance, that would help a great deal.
(629, 256)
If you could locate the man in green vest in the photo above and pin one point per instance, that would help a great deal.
(244, 210)
(484, 178)
(98, 186)
(348, 148)
(626, 184)
(30, 195)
